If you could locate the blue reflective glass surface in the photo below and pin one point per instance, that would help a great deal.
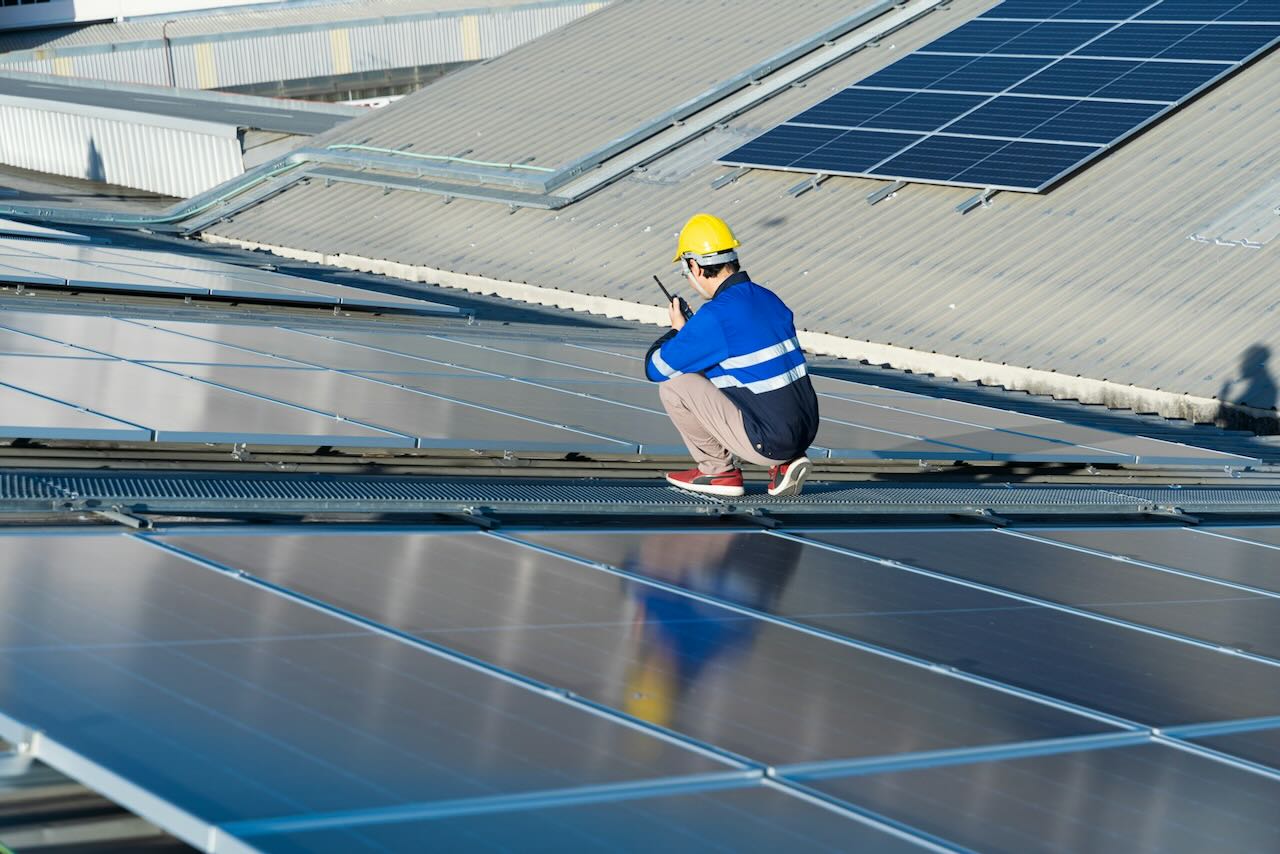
(1097, 10)
(1261, 746)
(878, 108)
(1142, 677)
(1142, 81)
(990, 74)
(1018, 37)
(1118, 801)
(743, 820)
(1218, 43)
(985, 162)
(1054, 119)
(1187, 606)
(1212, 10)
(1240, 556)
(230, 701)
(820, 149)
(665, 657)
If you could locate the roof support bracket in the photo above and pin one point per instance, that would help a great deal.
(1174, 513)
(478, 516)
(807, 185)
(729, 177)
(886, 192)
(984, 514)
(118, 515)
(754, 515)
(983, 199)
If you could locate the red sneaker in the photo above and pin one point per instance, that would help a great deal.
(726, 483)
(788, 478)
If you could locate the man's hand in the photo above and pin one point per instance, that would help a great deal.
(677, 318)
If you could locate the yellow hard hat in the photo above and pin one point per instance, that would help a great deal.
(708, 240)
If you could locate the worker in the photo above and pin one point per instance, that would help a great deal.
(733, 377)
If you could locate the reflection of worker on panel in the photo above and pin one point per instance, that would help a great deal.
(677, 636)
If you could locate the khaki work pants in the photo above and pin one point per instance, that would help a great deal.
(709, 423)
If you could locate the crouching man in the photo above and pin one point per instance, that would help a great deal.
(733, 376)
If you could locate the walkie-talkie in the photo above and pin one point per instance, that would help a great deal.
(684, 306)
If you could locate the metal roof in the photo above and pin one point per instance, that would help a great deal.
(588, 83)
(1099, 278)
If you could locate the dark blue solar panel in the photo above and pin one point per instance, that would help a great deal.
(849, 151)
(1055, 119)
(876, 108)
(1209, 43)
(1234, 11)
(743, 820)
(1109, 78)
(984, 162)
(1018, 37)
(1095, 10)
(1150, 798)
(1093, 53)
(962, 73)
(811, 148)
(1260, 746)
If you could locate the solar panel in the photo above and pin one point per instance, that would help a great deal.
(1191, 607)
(230, 702)
(1223, 553)
(31, 417)
(1021, 96)
(1149, 797)
(435, 421)
(1261, 746)
(319, 688)
(121, 269)
(757, 819)
(577, 627)
(1143, 677)
(175, 409)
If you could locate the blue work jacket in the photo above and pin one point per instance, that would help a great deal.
(744, 341)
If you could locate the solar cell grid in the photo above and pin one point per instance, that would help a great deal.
(1202, 42)
(988, 74)
(1143, 677)
(1113, 801)
(876, 108)
(1195, 608)
(1122, 71)
(1098, 10)
(1226, 11)
(1053, 119)
(232, 702)
(740, 820)
(664, 657)
(1261, 745)
(1035, 38)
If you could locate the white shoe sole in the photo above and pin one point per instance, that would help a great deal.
(709, 489)
(793, 480)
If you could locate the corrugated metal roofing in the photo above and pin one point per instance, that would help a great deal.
(1097, 278)
(589, 83)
